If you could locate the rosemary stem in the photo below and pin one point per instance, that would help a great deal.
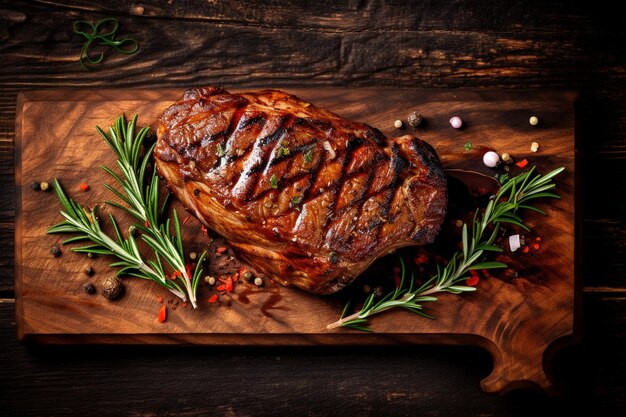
(343, 320)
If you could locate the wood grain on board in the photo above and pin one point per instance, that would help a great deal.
(517, 318)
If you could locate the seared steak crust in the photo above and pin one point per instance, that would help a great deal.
(303, 195)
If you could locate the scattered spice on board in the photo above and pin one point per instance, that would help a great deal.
(456, 122)
(415, 119)
(160, 299)
(534, 147)
(522, 163)
(55, 251)
(83, 186)
(44, 186)
(162, 313)
(213, 298)
(112, 288)
(472, 281)
(89, 288)
(186, 219)
(220, 249)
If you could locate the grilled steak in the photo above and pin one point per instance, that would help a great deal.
(303, 195)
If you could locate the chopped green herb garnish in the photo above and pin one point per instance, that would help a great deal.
(469, 146)
(308, 156)
(295, 200)
(332, 258)
(274, 181)
(219, 150)
(283, 151)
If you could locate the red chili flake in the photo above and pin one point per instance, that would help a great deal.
(421, 259)
(160, 299)
(522, 163)
(188, 268)
(536, 246)
(537, 239)
(184, 304)
(83, 186)
(213, 298)
(204, 230)
(525, 249)
(147, 224)
(472, 281)
(486, 273)
(186, 219)
(242, 271)
(227, 286)
(162, 313)
(221, 249)
(176, 274)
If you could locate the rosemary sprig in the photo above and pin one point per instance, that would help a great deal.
(517, 193)
(86, 225)
(142, 200)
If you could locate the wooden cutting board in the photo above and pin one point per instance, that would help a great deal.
(519, 317)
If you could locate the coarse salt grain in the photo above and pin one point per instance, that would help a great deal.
(514, 242)
(398, 124)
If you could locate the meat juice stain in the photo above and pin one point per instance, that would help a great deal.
(270, 302)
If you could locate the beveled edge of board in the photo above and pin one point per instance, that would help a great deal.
(492, 383)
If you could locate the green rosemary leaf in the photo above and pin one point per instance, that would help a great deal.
(80, 238)
(489, 265)
(490, 248)
(93, 250)
(345, 310)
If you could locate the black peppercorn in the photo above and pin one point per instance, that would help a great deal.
(196, 192)
(35, 185)
(112, 288)
(55, 251)
(89, 271)
(89, 288)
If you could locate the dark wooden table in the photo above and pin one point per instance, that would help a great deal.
(507, 44)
